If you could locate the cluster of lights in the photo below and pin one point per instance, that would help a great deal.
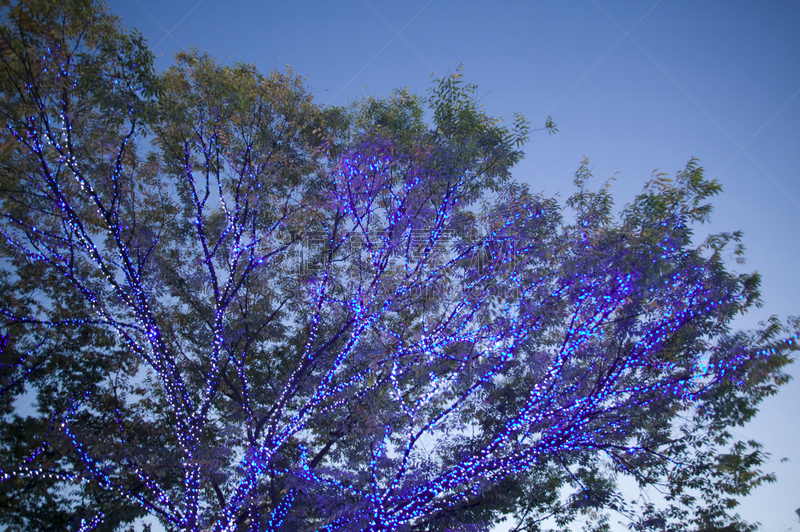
(581, 401)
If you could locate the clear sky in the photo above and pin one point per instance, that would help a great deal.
(632, 85)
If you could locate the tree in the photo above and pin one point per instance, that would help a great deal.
(234, 309)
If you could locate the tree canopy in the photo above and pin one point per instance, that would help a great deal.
(231, 308)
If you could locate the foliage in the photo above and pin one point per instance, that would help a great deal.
(287, 317)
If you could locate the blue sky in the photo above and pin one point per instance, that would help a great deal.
(632, 85)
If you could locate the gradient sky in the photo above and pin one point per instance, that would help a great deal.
(632, 85)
